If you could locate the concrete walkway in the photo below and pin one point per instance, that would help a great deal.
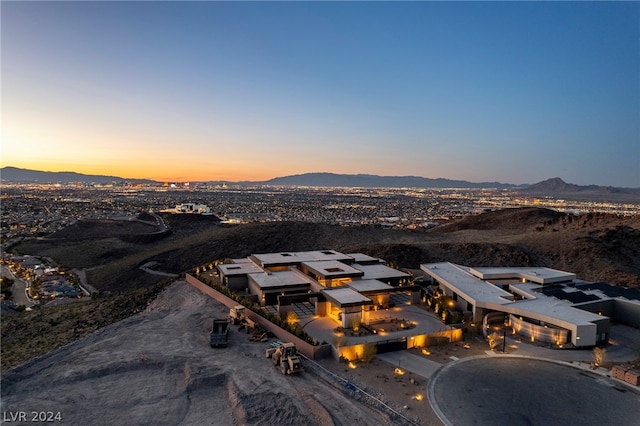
(410, 362)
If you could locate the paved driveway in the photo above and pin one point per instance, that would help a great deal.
(523, 391)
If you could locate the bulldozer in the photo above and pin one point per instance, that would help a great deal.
(285, 356)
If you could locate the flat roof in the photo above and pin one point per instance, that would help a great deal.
(345, 296)
(469, 286)
(333, 269)
(364, 258)
(380, 271)
(230, 269)
(554, 309)
(279, 279)
(241, 260)
(295, 257)
(368, 285)
(486, 295)
(538, 275)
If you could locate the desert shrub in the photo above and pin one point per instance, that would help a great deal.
(369, 352)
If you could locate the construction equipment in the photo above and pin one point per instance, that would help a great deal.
(259, 335)
(219, 333)
(285, 356)
(238, 315)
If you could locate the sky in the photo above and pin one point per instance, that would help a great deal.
(514, 92)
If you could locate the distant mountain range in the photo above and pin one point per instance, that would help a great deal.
(14, 174)
(558, 186)
(375, 181)
(554, 186)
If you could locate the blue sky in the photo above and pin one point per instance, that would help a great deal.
(483, 91)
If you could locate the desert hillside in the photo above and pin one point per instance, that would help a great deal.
(597, 247)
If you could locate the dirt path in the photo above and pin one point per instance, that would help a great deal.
(157, 368)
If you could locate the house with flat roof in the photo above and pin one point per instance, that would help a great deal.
(330, 273)
(280, 278)
(268, 285)
(381, 272)
(275, 261)
(513, 292)
(234, 276)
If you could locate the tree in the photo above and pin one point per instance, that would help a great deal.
(599, 355)
(493, 340)
(292, 318)
(339, 341)
(369, 352)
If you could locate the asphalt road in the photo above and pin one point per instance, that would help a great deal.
(18, 290)
(524, 391)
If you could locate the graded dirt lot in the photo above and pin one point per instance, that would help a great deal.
(157, 368)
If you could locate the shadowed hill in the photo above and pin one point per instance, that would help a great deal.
(513, 219)
(597, 247)
(594, 246)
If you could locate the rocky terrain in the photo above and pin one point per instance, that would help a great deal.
(597, 247)
(128, 356)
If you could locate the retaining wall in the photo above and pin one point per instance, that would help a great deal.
(305, 348)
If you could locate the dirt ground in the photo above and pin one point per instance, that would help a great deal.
(157, 368)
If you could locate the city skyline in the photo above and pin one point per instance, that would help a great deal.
(508, 92)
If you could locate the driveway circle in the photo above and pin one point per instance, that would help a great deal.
(500, 390)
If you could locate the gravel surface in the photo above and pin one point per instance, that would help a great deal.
(157, 368)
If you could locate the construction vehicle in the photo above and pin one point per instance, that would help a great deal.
(219, 333)
(238, 315)
(285, 356)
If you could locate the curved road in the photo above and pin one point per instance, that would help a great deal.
(19, 288)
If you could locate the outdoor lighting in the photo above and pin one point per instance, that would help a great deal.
(419, 397)
(352, 365)
(399, 371)
(425, 352)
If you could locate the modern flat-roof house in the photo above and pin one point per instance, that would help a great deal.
(516, 292)
(282, 260)
(342, 286)
(235, 275)
(383, 273)
(269, 285)
(331, 273)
